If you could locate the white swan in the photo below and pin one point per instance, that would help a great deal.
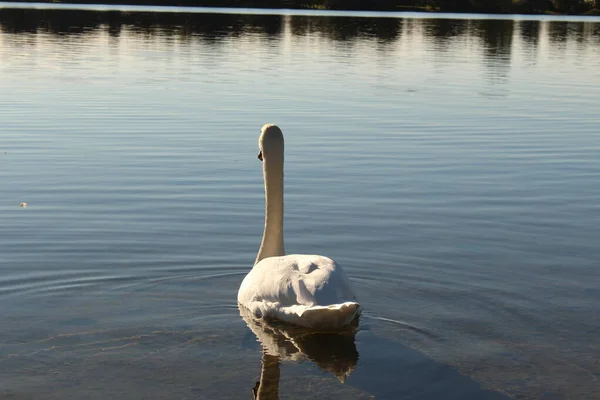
(306, 290)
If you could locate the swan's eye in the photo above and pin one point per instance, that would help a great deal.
(260, 155)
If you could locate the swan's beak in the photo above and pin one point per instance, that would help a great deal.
(260, 155)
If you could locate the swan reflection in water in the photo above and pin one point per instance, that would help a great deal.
(333, 352)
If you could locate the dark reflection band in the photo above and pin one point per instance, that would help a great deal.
(495, 35)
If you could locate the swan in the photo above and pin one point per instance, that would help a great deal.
(307, 290)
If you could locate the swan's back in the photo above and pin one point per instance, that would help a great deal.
(307, 290)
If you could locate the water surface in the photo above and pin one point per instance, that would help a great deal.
(450, 165)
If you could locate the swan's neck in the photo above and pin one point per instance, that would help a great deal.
(272, 241)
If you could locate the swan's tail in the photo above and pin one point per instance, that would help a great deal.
(330, 317)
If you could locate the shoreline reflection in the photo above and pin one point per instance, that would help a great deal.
(496, 36)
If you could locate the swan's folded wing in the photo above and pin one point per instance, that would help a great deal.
(307, 290)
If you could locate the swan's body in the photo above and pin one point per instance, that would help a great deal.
(306, 290)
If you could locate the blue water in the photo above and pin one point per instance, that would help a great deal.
(450, 165)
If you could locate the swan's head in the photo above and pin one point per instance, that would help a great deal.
(270, 142)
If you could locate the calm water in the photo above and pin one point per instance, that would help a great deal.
(450, 165)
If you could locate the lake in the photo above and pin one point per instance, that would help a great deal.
(448, 162)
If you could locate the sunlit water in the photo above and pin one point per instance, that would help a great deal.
(450, 165)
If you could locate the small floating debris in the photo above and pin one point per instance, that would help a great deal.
(23, 205)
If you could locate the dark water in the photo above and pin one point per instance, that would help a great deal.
(450, 165)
